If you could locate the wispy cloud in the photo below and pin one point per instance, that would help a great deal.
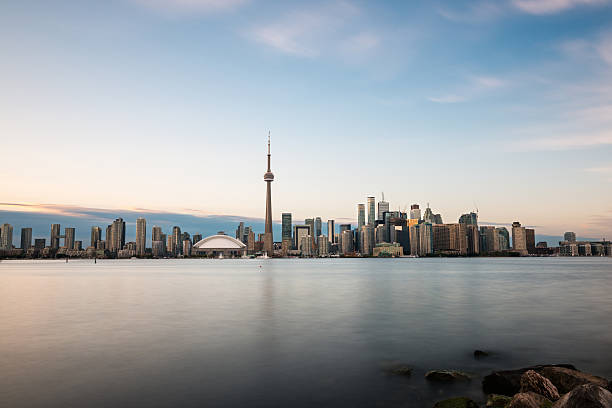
(447, 99)
(552, 6)
(473, 87)
(566, 142)
(191, 6)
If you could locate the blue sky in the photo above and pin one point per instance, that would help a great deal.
(165, 105)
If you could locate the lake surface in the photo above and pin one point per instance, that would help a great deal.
(290, 332)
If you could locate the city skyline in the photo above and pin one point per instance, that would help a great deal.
(502, 106)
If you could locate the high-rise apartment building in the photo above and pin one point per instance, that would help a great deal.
(177, 237)
(156, 233)
(69, 236)
(141, 236)
(383, 207)
(6, 236)
(96, 235)
(371, 211)
(489, 242)
(306, 245)
(286, 225)
(196, 238)
(55, 236)
(368, 240)
(569, 236)
(26, 238)
(519, 238)
(415, 212)
(530, 241)
(331, 231)
(39, 243)
(503, 237)
(187, 247)
(346, 241)
(360, 216)
(300, 231)
(117, 236)
(469, 219)
(317, 229)
(323, 246)
(170, 245)
(240, 232)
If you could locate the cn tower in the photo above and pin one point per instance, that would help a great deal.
(269, 178)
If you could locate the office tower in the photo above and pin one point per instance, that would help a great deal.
(489, 243)
(367, 239)
(469, 219)
(240, 231)
(569, 236)
(156, 233)
(26, 238)
(383, 207)
(177, 245)
(117, 236)
(185, 235)
(437, 219)
(269, 178)
(109, 237)
(415, 212)
(530, 241)
(171, 245)
(519, 238)
(421, 239)
(69, 238)
(331, 231)
(286, 227)
(78, 245)
(96, 235)
(379, 234)
(141, 236)
(317, 228)
(197, 238)
(300, 231)
(55, 236)
(360, 216)
(371, 210)
(250, 241)
(428, 215)
(6, 236)
(503, 237)
(39, 243)
(311, 223)
(323, 245)
(347, 241)
(158, 248)
(306, 245)
(473, 239)
(453, 239)
(187, 247)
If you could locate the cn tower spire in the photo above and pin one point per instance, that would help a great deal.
(269, 178)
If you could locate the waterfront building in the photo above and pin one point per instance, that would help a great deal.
(371, 210)
(96, 235)
(415, 212)
(519, 238)
(346, 237)
(40, 243)
(379, 234)
(331, 231)
(170, 246)
(240, 232)
(141, 236)
(6, 236)
(109, 237)
(469, 219)
(250, 241)
(360, 216)
(387, 249)
(198, 237)
(220, 245)
(323, 246)
(317, 229)
(452, 239)
(187, 245)
(177, 237)
(300, 231)
(421, 239)
(368, 240)
(117, 241)
(158, 248)
(286, 220)
(26, 238)
(269, 178)
(569, 236)
(503, 237)
(530, 241)
(383, 207)
(473, 239)
(306, 245)
(69, 236)
(489, 243)
(78, 245)
(55, 236)
(156, 233)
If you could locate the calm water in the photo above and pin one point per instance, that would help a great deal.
(299, 333)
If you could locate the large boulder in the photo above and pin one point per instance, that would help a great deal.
(566, 379)
(447, 375)
(458, 402)
(529, 400)
(532, 381)
(498, 401)
(508, 382)
(586, 396)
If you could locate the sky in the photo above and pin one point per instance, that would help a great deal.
(154, 106)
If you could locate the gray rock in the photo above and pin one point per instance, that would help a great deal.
(566, 379)
(586, 396)
(532, 381)
(498, 401)
(458, 402)
(529, 400)
(447, 375)
(508, 382)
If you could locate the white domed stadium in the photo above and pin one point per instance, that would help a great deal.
(220, 245)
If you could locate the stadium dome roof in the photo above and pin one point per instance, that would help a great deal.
(219, 241)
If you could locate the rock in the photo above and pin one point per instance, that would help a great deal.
(508, 382)
(480, 354)
(458, 402)
(586, 396)
(566, 379)
(532, 381)
(498, 401)
(529, 400)
(447, 375)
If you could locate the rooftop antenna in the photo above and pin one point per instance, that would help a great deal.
(383, 196)
(476, 207)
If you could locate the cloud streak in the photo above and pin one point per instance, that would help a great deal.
(191, 6)
(540, 7)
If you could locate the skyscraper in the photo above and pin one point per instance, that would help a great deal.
(360, 216)
(141, 236)
(519, 238)
(96, 235)
(26, 238)
(317, 228)
(286, 227)
(177, 240)
(156, 233)
(117, 231)
(240, 232)
(415, 212)
(383, 207)
(331, 231)
(269, 178)
(469, 219)
(569, 236)
(69, 238)
(371, 210)
(55, 236)
(6, 236)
